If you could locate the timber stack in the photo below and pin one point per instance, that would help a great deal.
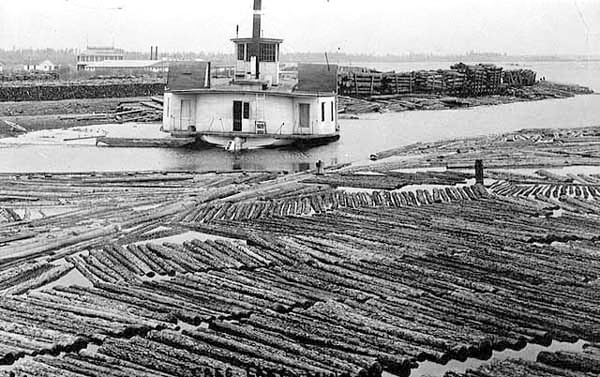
(62, 90)
(28, 76)
(205, 273)
(461, 79)
(140, 111)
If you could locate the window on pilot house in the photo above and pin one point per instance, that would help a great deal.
(241, 51)
(246, 111)
(268, 52)
(322, 111)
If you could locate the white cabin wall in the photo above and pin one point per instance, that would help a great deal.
(317, 126)
(214, 112)
(270, 70)
(328, 126)
(172, 114)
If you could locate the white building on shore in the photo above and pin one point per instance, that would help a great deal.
(44, 66)
(132, 66)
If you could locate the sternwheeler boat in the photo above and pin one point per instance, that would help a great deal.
(259, 107)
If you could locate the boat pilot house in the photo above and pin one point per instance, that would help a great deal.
(257, 108)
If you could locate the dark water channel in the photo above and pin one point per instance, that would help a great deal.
(529, 353)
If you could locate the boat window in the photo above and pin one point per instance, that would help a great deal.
(246, 110)
(241, 51)
(268, 52)
(322, 111)
(333, 111)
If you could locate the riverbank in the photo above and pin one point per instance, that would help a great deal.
(542, 90)
(209, 268)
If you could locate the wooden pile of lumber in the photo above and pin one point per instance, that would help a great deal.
(480, 79)
(28, 76)
(429, 82)
(519, 77)
(461, 79)
(61, 90)
(147, 111)
(360, 84)
(150, 110)
(402, 82)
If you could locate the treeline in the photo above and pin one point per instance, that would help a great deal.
(20, 57)
(16, 58)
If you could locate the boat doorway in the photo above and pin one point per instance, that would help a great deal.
(304, 111)
(237, 116)
(186, 119)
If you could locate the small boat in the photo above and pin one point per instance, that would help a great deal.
(120, 142)
(259, 107)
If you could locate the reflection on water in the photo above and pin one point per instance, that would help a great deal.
(360, 138)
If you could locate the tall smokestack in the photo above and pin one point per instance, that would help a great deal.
(156, 53)
(151, 52)
(256, 26)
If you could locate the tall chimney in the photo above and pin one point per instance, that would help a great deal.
(151, 52)
(156, 53)
(256, 26)
(257, 19)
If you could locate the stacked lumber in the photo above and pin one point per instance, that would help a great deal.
(519, 77)
(454, 81)
(460, 79)
(28, 76)
(146, 111)
(61, 90)
(481, 79)
(429, 82)
(360, 84)
(402, 82)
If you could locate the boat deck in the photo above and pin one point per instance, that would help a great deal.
(234, 134)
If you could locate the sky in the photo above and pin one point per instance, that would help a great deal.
(521, 27)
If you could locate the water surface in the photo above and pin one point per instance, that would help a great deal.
(359, 138)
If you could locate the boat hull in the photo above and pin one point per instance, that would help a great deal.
(236, 143)
(171, 142)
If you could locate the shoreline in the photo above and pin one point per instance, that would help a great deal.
(424, 102)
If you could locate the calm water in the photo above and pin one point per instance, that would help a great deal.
(360, 138)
